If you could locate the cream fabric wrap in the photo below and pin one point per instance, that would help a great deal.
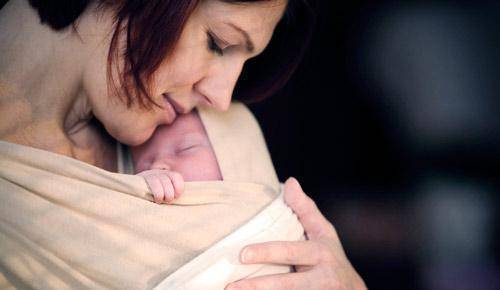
(66, 224)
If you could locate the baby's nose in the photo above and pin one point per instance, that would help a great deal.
(161, 164)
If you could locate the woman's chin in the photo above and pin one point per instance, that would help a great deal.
(132, 138)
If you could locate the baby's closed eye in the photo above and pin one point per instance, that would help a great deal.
(188, 147)
(191, 142)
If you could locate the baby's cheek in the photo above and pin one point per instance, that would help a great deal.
(137, 159)
(141, 162)
(201, 166)
(142, 166)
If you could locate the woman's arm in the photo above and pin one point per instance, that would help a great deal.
(320, 261)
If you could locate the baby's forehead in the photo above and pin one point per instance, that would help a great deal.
(185, 128)
(198, 136)
(184, 123)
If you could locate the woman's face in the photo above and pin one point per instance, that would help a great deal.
(202, 70)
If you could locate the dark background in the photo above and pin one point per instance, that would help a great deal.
(392, 125)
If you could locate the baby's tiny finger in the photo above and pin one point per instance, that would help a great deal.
(177, 182)
(168, 188)
(156, 189)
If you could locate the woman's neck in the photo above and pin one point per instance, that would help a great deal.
(42, 103)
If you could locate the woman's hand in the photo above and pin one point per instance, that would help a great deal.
(320, 261)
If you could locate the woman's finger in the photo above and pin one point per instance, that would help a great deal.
(274, 282)
(313, 221)
(287, 253)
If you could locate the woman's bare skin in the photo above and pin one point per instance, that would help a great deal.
(54, 86)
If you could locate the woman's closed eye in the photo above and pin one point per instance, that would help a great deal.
(213, 44)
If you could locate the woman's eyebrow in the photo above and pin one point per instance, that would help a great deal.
(248, 41)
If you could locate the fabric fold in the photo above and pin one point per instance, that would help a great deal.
(65, 224)
(219, 264)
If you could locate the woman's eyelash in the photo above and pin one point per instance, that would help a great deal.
(212, 44)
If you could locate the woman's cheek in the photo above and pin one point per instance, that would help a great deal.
(130, 133)
(138, 127)
(139, 137)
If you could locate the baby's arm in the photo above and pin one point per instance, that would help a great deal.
(164, 184)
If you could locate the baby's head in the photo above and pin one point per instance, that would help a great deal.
(183, 147)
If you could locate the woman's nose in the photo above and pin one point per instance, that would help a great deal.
(218, 85)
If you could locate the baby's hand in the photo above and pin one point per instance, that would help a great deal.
(164, 184)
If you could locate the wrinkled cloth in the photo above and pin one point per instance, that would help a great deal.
(219, 264)
(67, 224)
(238, 144)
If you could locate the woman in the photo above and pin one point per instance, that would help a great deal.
(76, 76)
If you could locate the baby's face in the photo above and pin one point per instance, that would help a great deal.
(182, 147)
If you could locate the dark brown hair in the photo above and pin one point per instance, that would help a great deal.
(153, 27)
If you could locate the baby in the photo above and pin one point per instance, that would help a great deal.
(174, 154)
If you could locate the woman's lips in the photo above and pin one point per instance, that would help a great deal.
(169, 107)
(177, 107)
